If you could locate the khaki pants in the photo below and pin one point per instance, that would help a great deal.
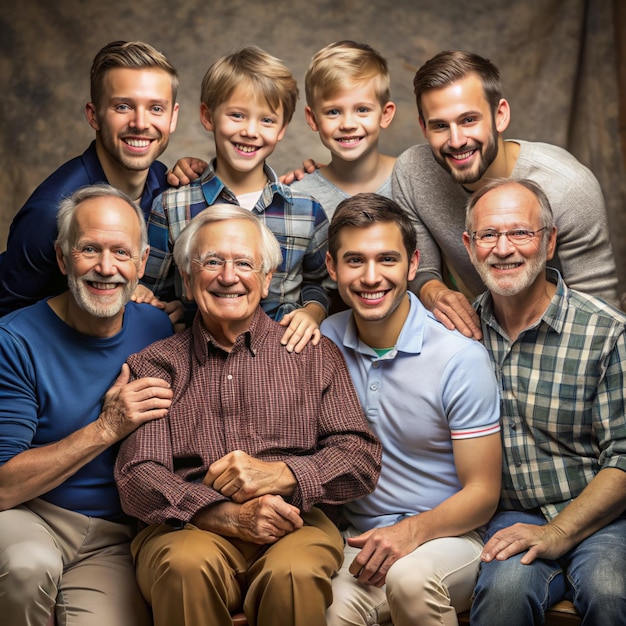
(50, 557)
(426, 587)
(193, 577)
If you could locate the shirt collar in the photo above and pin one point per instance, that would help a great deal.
(213, 187)
(410, 339)
(204, 344)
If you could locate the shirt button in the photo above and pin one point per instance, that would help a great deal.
(374, 387)
(375, 365)
(230, 377)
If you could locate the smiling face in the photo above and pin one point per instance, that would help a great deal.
(246, 131)
(349, 122)
(372, 273)
(229, 296)
(135, 117)
(509, 269)
(105, 263)
(461, 129)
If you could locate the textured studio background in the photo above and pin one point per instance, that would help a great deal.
(561, 63)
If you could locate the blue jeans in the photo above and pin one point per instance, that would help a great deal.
(592, 575)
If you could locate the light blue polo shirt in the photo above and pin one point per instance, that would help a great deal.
(434, 386)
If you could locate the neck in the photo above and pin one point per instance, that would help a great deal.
(131, 182)
(502, 166)
(66, 308)
(384, 333)
(366, 174)
(241, 182)
(517, 313)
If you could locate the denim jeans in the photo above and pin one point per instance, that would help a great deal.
(592, 575)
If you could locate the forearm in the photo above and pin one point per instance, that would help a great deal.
(316, 311)
(602, 501)
(429, 291)
(36, 471)
(463, 512)
(220, 518)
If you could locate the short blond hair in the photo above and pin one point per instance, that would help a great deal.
(342, 65)
(266, 76)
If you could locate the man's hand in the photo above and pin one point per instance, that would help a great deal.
(266, 519)
(185, 170)
(241, 477)
(127, 405)
(541, 542)
(174, 308)
(303, 325)
(380, 549)
(308, 167)
(451, 308)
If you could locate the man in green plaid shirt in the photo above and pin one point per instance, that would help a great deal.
(559, 355)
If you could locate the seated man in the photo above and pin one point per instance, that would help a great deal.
(256, 437)
(429, 394)
(64, 406)
(559, 356)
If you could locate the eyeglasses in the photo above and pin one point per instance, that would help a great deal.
(519, 236)
(216, 264)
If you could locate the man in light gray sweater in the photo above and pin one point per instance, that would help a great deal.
(462, 115)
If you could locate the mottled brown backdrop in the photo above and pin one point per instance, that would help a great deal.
(560, 61)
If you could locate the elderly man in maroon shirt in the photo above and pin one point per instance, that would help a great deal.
(256, 437)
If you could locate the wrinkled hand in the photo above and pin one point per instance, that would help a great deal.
(308, 167)
(301, 328)
(453, 310)
(541, 542)
(127, 405)
(380, 549)
(241, 477)
(185, 170)
(266, 519)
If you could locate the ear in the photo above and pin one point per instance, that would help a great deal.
(503, 116)
(330, 266)
(60, 259)
(174, 119)
(187, 285)
(551, 244)
(310, 118)
(413, 263)
(92, 115)
(266, 285)
(467, 243)
(282, 132)
(142, 264)
(206, 117)
(389, 110)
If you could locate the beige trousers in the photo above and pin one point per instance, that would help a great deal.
(51, 557)
(193, 577)
(426, 587)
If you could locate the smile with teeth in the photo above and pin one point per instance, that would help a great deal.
(376, 295)
(505, 266)
(137, 143)
(349, 140)
(461, 156)
(247, 149)
(227, 295)
(105, 286)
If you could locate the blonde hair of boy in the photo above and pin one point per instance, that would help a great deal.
(266, 76)
(342, 65)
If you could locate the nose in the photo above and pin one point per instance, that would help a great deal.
(371, 275)
(250, 128)
(503, 246)
(348, 121)
(106, 264)
(228, 275)
(457, 137)
(140, 119)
